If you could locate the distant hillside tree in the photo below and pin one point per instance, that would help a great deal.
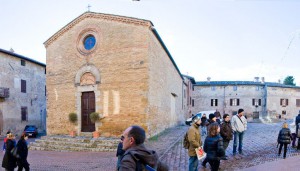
(289, 80)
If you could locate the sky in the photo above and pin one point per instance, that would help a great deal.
(226, 40)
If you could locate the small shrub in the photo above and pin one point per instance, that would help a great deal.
(73, 117)
(94, 116)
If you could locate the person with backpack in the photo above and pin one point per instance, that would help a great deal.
(284, 138)
(22, 151)
(120, 152)
(137, 157)
(9, 161)
(297, 123)
(194, 139)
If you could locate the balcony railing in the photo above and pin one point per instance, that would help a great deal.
(4, 92)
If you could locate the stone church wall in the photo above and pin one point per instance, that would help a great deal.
(165, 92)
(120, 57)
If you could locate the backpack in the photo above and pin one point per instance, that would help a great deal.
(186, 143)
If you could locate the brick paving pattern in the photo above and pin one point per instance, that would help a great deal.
(260, 143)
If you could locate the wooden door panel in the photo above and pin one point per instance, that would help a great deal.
(87, 107)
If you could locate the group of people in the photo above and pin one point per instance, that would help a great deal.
(287, 136)
(15, 154)
(219, 134)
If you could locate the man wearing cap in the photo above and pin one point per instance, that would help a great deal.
(297, 120)
(239, 126)
(195, 142)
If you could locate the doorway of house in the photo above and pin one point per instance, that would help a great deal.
(87, 107)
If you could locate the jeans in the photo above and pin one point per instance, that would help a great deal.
(238, 135)
(225, 145)
(193, 163)
(203, 130)
(284, 151)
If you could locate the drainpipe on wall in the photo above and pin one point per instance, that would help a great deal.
(224, 101)
(264, 111)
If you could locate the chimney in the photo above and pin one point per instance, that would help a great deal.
(208, 79)
(256, 79)
(263, 79)
(279, 81)
(12, 50)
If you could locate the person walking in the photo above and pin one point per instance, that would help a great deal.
(213, 146)
(9, 161)
(137, 157)
(226, 131)
(204, 124)
(297, 123)
(284, 138)
(4, 142)
(239, 126)
(194, 138)
(22, 146)
(120, 152)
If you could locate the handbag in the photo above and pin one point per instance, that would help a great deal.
(14, 152)
(200, 153)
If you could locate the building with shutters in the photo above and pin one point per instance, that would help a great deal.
(22, 92)
(117, 66)
(259, 99)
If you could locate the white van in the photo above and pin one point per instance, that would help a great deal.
(207, 112)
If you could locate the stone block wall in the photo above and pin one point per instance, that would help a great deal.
(11, 74)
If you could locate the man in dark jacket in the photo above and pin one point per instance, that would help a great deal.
(297, 126)
(137, 157)
(226, 131)
(23, 153)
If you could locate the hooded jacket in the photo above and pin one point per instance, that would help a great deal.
(137, 155)
(194, 138)
(284, 136)
(239, 124)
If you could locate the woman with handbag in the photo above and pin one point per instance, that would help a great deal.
(213, 146)
(23, 153)
(9, 161)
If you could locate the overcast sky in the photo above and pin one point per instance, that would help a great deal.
(222, 39)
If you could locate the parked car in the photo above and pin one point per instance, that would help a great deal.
(31, 130)
(189, 120)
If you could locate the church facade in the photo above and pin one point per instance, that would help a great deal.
(114, 65)
(22, 93)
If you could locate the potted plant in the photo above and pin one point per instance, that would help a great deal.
(95, 117)
(73, 119)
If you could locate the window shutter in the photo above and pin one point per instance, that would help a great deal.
(238, 102)
(287, 102)
(280, 102)
(253, 102)
(216, 102)
(259, 102)
(230, 102)
(211, 102)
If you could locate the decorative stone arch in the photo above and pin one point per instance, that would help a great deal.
(85, 69)
(94, 73)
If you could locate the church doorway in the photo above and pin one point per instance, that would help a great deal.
(87, 107)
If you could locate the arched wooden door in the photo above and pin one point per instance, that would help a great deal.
(87, 107)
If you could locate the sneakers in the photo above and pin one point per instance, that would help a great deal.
(241, 152)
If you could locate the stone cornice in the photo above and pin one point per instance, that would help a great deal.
(110, 17)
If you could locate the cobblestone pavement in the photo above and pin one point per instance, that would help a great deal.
(259, 147)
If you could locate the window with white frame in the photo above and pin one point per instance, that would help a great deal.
(234, 102)
(256, 102)
(213, 102)
(284, 102)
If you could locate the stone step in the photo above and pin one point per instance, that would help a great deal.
(70, 148)
(67, 143)
(76, 144)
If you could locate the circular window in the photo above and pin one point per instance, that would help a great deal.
(89, 42)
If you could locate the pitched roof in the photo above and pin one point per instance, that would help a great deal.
(224, 83)
(22, 57)
(190, 78)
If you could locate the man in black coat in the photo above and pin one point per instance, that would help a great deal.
(297, 126)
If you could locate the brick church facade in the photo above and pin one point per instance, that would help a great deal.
(114, 65)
